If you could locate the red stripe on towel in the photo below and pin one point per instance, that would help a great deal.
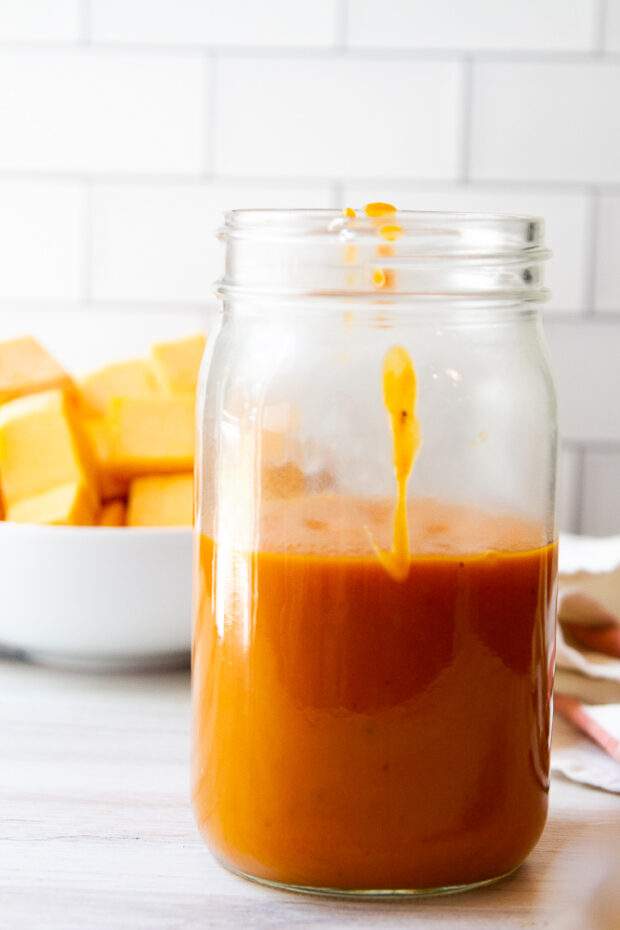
(577, 713)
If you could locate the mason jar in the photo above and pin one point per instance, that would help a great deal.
(375, 551)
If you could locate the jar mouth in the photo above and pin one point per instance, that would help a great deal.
(400, 253)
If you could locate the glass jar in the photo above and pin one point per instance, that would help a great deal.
(375, 552)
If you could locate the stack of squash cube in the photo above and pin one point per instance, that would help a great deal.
(115, 448)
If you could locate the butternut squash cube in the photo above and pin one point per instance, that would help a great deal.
(113, 514)
(70, 504)
(133, 378)
(99, 433)
(161, 500)
(151, 435)
(42, 446)
(177, 364)
(26, 368)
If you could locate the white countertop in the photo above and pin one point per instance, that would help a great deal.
(96, 829)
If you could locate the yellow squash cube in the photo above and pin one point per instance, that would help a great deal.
(113, 514)
(70, 504)
(42, 446)
(161, 500)
(26, 368)
(177, 364)
(151, 435)
(133, 378)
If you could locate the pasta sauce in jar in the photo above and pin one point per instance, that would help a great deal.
(375, 553)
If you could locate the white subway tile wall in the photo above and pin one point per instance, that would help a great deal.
(569, 499)
(40, 20)
(546, 121)
(275, 23)
(476, 25)
(86, 111)
(138, 257)
(612, 26)
(607, 281)
(42, 237)
(329, 117)
(128, 126)
(586, 364)
(601, 503)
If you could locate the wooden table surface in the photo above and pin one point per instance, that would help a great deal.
(96, 829)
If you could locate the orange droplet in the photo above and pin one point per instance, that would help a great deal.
(378, 277)
(379, 209)
(483, 435)
(349, 212)
(391, 233)
(384, 251)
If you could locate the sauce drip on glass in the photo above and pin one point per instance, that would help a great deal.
(399, 395)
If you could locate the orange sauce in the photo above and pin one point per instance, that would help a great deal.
(378, 209)
(391, 233)
(384, 278)
(356, 731)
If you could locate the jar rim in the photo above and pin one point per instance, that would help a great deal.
(331, 222)
(416, 252)
(321, 212)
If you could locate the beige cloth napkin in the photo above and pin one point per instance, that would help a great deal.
(586, 746)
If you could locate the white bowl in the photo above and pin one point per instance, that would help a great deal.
(101, 597)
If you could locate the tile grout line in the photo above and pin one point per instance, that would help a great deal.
(319, 52)
(466, 105)
(211, 80)
(123, 179)
(341, 25)
(310, 52)
(593, 445)
(519, 185)
(580, 469)
(85, 15)
(560, 317)
(337, 189)
(600, 26)
(86, 263)
(556, 318)
(591, 253)
(112, 303)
